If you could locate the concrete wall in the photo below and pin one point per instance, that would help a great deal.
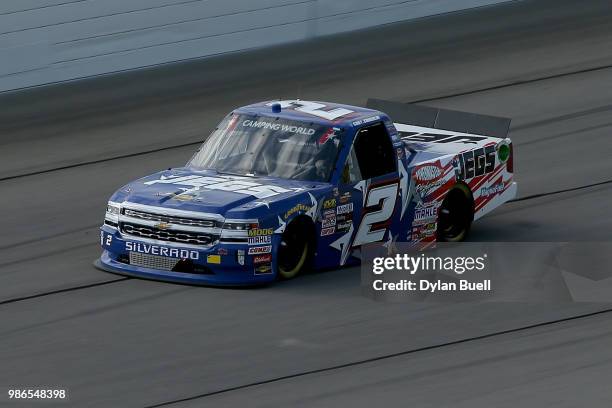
(46, 41)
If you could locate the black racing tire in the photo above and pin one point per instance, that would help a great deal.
(295, 249)
(456, 214)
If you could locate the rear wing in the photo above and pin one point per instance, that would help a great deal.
(443, 119)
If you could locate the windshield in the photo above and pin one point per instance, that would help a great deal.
(262, 146)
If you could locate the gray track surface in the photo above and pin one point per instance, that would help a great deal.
(129, 342)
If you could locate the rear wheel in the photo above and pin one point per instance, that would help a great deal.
(456, 214)
(294, 250)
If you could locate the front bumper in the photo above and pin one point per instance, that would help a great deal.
(217, 265)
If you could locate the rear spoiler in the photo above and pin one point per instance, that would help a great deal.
(443, 119)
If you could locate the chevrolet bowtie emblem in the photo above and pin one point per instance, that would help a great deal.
(163, 225)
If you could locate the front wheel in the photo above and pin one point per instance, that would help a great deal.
(456, 214)
(293, 251)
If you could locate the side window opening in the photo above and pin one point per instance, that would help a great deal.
(372, 155)
(351, 173)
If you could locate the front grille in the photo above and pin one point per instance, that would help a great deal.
(184, 237)
(152, 261)
(164, 264)
(170, 219)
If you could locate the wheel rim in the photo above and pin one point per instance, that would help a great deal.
(292, 254)
(454, 217)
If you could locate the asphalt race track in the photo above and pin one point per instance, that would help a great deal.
(313, 341)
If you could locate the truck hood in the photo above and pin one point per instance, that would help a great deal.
(209, 191)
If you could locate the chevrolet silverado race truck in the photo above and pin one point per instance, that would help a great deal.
(281, 186)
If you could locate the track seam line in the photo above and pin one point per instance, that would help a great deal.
(515, 83)
(566, 190)
(123, 156)
(473, 91)
(38, 239)
(70, 289)
(379, 358)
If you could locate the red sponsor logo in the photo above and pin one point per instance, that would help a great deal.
(260, 250)
(428, 172)
(262, 259)
(327, 231)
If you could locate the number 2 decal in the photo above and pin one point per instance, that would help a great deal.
(314, 108)
(373, 224)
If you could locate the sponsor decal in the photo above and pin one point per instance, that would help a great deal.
(161, 251)
(264, 269)
(424, 231)
(260, 124)
(474, 163)
(260, 240)
(366, 120)
(425, 189)
(425, 214)
(295, 209)
(329, 212)
(344, 226)
(213, 259)
(439, 138)
(427, 173)
(256, 232)
(344, 217)
(335, 191)
(329, 203)
(329, 221)
(492, 190)
(327, 231)
(240, 256)
(428, 178)
(259, 259)
(222, 251)
(345, 208)
(236, 184)
(345, 197)
(266, 249)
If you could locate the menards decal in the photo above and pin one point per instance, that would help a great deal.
(236, 184)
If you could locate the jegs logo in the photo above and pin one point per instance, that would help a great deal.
(475, 163)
